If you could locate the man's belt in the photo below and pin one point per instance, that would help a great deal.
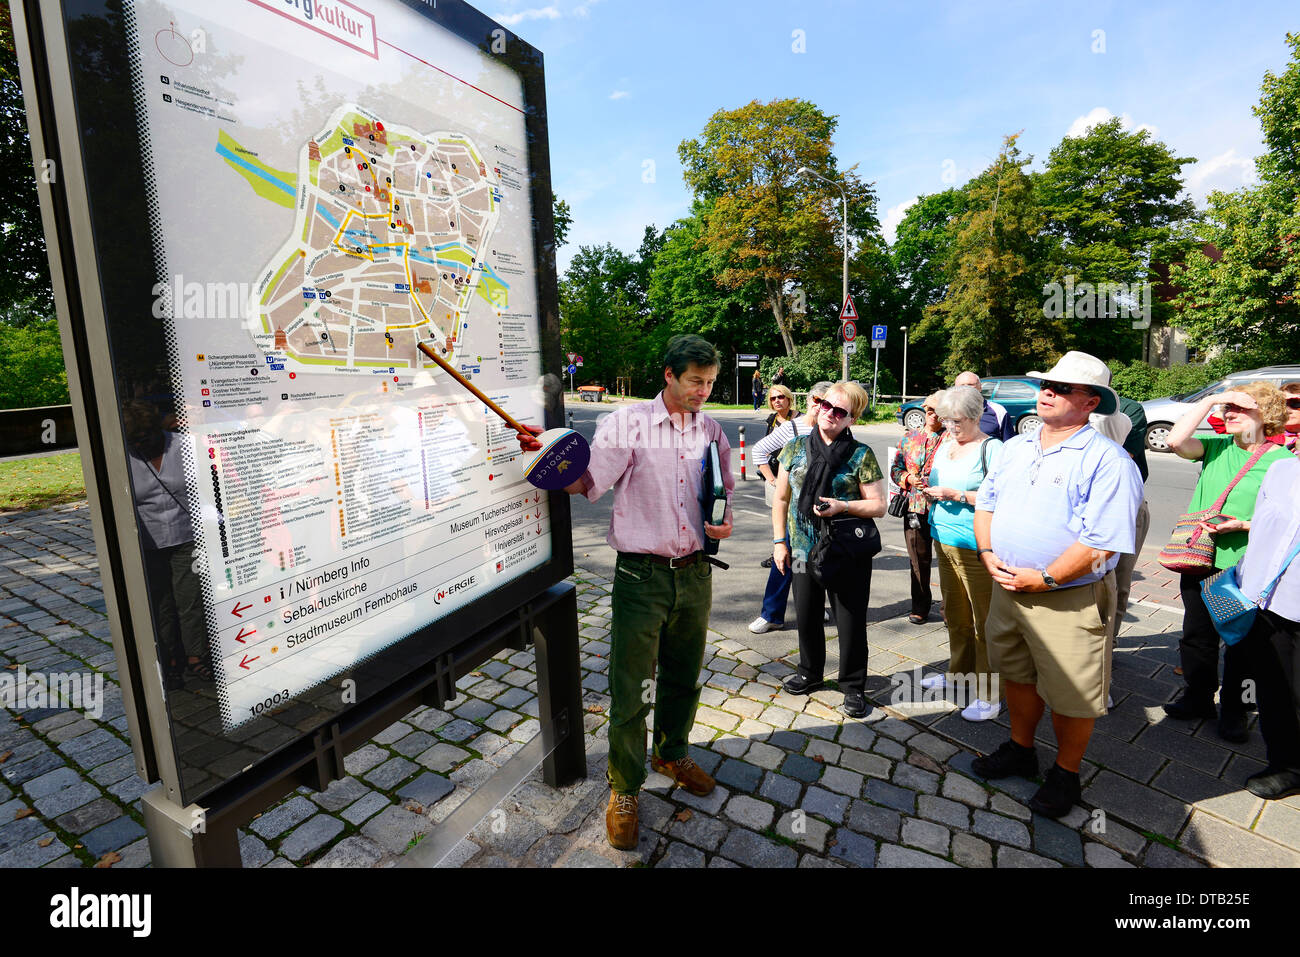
(681, 562)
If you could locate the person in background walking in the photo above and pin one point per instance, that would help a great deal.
(1051, 520)
(911, 473)
(1251, 413)
(825, 475)
(964, 457)
(766, 451)
(757, 385)
(994, 420)
(1272, 647)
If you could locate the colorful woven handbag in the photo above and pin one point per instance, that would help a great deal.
(1191, 547)
(1232, 611)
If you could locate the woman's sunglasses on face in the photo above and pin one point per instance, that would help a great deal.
(1293, 402)
(1233, 407)
(833, 410)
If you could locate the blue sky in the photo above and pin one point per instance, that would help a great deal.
(924, 92)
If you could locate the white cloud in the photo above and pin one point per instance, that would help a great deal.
(549, 12)
(534, 13)
(1226, 172)
(893, 216)
(1099, 114)
(619, 95)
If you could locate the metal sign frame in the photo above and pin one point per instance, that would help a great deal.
(87, 268)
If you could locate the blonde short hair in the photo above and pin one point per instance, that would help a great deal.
(1272, 404)
(781, 390)
(856, 395)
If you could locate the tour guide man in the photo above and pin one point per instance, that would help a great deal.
(1051, 520)
(651, 454)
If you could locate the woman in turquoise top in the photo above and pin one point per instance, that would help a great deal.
(1250, 415)
(825, 475)
(963, 459)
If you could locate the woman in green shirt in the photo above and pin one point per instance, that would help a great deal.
(1250, 414)
(824, 475)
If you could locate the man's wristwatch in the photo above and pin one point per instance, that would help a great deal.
(1048, 580)
(981, 551)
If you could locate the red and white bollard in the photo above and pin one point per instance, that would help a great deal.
(742, 453)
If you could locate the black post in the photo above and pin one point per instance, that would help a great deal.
(559, 691)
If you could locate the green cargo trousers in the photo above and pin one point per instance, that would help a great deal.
(657, 613)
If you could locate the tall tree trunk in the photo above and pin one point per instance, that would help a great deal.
(775, 295)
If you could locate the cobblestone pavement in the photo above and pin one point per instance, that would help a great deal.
(799, 784)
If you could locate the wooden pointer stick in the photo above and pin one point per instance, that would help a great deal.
(478, 394)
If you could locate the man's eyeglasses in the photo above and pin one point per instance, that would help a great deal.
(1063, 388)
(928, 411)
(833, 410)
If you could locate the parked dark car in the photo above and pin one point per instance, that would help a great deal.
(1017, 394)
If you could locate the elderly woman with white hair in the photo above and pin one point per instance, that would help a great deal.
(963, 459)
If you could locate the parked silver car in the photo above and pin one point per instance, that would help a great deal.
(1163, 413)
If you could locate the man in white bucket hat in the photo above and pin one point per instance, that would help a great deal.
(1051, 520)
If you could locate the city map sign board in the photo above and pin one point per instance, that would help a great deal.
(262, 207)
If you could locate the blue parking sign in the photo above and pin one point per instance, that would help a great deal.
(878, 333)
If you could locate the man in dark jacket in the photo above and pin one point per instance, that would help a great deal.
(994, 421)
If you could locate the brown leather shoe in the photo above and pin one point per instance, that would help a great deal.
(621, 821)
(686, 773)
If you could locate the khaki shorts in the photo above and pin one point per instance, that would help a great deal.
(1057, 641)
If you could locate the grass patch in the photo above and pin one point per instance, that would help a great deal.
(29, 484)
(1161, 839)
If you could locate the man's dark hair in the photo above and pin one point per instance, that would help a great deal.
(687, 350)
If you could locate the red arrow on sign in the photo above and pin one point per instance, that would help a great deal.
(849, 311)
(244, 664)
(239, 609)
(245, 634)
(539, 528)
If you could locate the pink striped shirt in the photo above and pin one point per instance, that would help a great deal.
(654, 468)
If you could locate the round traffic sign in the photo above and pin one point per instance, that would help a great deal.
(850, 330)
(572, 369)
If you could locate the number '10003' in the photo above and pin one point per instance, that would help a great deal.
(280, 697)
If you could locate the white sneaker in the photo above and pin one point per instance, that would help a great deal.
(934, 681)
(760, 625)
(980, 710)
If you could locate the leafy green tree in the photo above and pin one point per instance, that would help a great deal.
(26, 273)
(993, 314)
(563, 220)
(1113, 209)
(767, 223)
(600, 312)
(33, 362)
(684, 296)
(1248, 296)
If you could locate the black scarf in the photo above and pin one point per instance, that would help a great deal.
(824, 463)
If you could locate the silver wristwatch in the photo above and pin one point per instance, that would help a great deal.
(1048, 580)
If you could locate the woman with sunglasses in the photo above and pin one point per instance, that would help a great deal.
(1291, 436)
(964, 457)
(1250, 415)
(911, 473)
(826, 475)
(781, 401)
(777, 593)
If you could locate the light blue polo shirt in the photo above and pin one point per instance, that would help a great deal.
(1086, 489)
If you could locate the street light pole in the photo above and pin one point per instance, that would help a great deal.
(904, 328)
(804, 170)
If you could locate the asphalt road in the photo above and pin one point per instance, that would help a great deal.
(1169, 489)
